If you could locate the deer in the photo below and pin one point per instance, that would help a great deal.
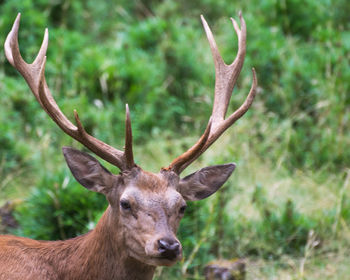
(137, 231)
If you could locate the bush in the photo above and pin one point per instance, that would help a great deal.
(58, 208)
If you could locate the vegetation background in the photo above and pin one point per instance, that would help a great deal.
(285, 210)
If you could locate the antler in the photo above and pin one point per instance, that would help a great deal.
(225, 79)
(34, 74)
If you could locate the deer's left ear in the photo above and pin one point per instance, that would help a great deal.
(205, 182)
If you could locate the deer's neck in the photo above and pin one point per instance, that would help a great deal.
(101, 254)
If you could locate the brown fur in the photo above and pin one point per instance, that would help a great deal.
(148, 181)
(98, 254)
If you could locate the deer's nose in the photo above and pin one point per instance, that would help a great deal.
(168, 248)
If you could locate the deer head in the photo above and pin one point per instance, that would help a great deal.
(145, 207)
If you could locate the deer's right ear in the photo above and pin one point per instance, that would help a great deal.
(88, 171)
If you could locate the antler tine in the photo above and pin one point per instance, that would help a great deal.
(225, 80)
(129, 156)
(225, 75)
(218, 61)
(12, 37)
(30, 72)
(34, 74)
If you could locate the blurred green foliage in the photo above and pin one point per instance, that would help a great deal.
(63, 209)
(154, 56)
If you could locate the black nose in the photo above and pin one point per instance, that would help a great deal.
(168, 248)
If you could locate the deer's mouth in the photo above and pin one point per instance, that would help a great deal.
(157, 259)
(167, 261)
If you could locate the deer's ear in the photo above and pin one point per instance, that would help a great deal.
(205, 182)
(88, 171)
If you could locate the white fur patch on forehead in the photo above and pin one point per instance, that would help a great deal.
(167, 197)
(132, 192)
(173, 197)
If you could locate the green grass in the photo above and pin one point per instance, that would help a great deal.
(286, 208)
(316, 199)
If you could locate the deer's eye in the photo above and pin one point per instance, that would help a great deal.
(182, 209)
(125, 205)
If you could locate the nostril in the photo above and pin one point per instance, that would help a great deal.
(175, 246)
(162, 245)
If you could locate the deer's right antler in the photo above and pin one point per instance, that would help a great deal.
(34, 74)
(225, 79)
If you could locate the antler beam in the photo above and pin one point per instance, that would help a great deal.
(225, 80)
(34, 74)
